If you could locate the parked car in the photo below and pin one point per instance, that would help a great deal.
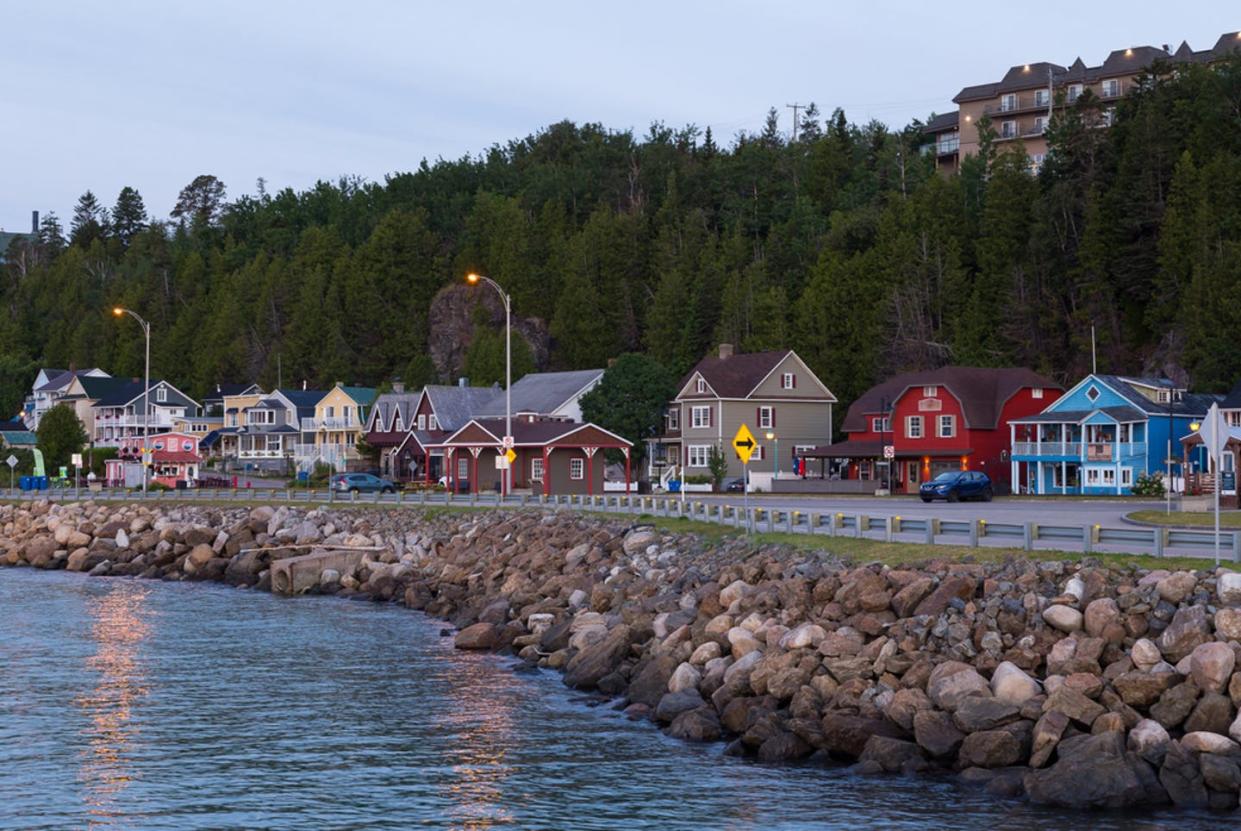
(361, 483)
(734, 485)
(955, 485)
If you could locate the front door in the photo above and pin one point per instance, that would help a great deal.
(913, 476)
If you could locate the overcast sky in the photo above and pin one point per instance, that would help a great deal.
(151, 94)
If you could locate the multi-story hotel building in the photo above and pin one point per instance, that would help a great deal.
(1021, 104)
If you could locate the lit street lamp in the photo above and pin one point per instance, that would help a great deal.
(775, 466)
(146, 386)
(474, 279)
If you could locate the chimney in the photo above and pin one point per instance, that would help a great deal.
(463, 381)
(398, 386)
(726, 351)
(34, 222)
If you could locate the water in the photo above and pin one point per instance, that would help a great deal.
(144, 705)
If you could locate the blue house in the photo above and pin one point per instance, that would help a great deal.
(1102, 434)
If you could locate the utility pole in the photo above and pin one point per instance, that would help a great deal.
(795, 108)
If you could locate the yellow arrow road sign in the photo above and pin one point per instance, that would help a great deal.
(744, 444)
(510, 455)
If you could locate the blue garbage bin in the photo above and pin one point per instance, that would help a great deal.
(42, 483)
(24, 483)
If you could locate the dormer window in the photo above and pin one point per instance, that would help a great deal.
(1164, 396)
(930, 392)
(422, 421)
(700, 387)
(1036, 392)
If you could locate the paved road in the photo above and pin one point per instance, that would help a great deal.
(1107, 512)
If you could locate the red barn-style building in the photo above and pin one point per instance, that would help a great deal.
(952, 418)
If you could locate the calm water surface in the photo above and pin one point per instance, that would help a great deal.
(144, 705)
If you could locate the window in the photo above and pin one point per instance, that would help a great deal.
(913, 427)
(1036, 392)
(1093, 393)
(1075, 92)
(698, 454)
(1041, 97)
(187, 446)
(1036, 163)
(881, 425)
(422, 421)
(674, 418)
(788, 381)
(700, 416)
(1109, 476)
(1164, 396)
(930, 392)
(1111, 88)
(1008, 129)
(577, 468)
(760, 453)
(161, 394)
(701, 386)
(397, 424)
(331, 412)
(273, 444)
(432, 422)
(1040, 124)
(348, 412)
(1126, 476)
(159, 445)
(766, 418)
(1008, 102)
(947, 427)
(1109, 117)
(536, 469)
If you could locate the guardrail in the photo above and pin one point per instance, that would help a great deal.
(973, 533)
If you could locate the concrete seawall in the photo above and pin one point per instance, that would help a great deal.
(1071, 684)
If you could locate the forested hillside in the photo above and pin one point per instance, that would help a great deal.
(845, 245)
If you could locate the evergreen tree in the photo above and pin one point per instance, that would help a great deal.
(90, 221)
(129, 215)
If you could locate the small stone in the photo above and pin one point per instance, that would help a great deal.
(1187, 630)
(1011, 684)
(935, 732)
(1228, 624)
(1064, 618)
(1099, 615)
(685, 677)
(1149, 739)
(1145, 654)
(1047, 732)
(1211, 665)
(1203, 742)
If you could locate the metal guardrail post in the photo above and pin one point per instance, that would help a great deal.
(861, 523)
(1087, 539)
(1028, 532)
(1236, 546)
(791, 519)
(973, 535)
(771, 521)
(932, 528)
(1160, 540)
(889, 526)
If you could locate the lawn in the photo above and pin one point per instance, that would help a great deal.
(1227, 519)
(905, 553)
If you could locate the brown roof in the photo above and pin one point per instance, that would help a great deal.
(528, 433)
(737, 375)
(943, 121)
(982, 392)
(978, 92)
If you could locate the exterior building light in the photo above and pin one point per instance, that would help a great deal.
(1193, 425)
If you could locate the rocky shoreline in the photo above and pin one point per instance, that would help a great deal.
(1076, 685)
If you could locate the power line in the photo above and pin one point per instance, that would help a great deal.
(795, 108)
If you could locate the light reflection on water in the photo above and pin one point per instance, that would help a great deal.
(117, 628)
(140, 705)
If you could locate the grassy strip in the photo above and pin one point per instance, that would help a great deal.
(1227, 519)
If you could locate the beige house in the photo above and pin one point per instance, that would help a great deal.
(1021, 105)
(772, 393)
(332, 434)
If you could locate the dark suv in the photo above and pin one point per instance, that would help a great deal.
(361, 483)
(956, 485)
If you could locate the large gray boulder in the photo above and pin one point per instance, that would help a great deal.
(1097, 774)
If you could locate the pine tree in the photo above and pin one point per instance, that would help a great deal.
(129, 215)
(90, 221)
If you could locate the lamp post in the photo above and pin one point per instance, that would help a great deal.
(474, 279)
(775, 450)
(146, 385)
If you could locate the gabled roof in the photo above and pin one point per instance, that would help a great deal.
(531, 433)
(978, 92)
(98, 388)
(1121, 414)
(64, 378)
(303, 399)
(455, 405)
(132, 390)
(982, 392)
(1188, 404)
(363, 395)
(241, 388)
(387, 404)
(542, 393)
(737, 375)
(1029, 76)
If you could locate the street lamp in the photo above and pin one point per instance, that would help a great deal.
(775, 466)
(146, 385)
(474, 279)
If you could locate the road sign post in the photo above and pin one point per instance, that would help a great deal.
(1214, 435)
(11, 461)
(744, 444)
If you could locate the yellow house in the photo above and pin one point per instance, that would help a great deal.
(234, 409)
(197, 426)
(332, 434)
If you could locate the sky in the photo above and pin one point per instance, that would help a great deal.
(151, 94)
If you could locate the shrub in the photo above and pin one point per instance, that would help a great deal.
(1148, 484)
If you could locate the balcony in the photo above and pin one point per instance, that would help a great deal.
(948, 147)
(310, 425)
(1070, 449)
